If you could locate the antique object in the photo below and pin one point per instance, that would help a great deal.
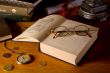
(24, 59)
(93, 9)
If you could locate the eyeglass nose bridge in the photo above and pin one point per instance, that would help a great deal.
(70, 31)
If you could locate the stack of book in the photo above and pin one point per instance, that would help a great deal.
(18, 10)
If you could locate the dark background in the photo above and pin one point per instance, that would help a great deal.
(40, 9)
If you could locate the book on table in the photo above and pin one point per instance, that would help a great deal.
(15, 17)
(5, 32)
(19, 7)
(62, 38)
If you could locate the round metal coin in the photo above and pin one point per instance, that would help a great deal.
(24, 59)
(7, 55)
(8, 67)
(15, 48)
(43, 63)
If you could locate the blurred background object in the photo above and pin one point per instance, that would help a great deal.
(94, 9)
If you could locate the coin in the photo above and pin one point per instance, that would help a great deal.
(7, 55)
(8, 67)
(24, 59)
(43, 63)
(15, 48)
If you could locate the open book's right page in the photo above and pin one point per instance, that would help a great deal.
(71, 43)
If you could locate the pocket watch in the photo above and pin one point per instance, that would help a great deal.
(24, 59)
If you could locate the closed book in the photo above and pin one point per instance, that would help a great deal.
(5, 32)
(15, 10)
(21, 3)
(19, 10)
(15, 17)
(61, 38)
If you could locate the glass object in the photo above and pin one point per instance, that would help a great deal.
(63, 31)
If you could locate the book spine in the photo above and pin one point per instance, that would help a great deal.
(14, 10)
(15, 17)
(16, 3)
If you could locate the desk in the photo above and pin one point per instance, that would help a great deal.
(96, 60)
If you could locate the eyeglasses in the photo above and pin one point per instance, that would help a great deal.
(63, 31)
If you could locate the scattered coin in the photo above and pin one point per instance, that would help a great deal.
(15, 48)
(24, 59)
(7, 55)
(43, 63)
(8, 67)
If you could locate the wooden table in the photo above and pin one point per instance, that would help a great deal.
(96, 60)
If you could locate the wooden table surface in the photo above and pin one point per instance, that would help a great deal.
(96, 60)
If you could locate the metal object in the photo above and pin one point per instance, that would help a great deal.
(8, 67)
(93, 9)
(43, 63)
(7, 55)
(63, 31)
(16, 3)
(24, 59)
(12, 50)
(88, 15)
(15, 48)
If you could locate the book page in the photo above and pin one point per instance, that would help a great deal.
(40, 29)
(70, 42)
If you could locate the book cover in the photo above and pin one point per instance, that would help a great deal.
(62, 38)
(5, 32)
(15, 17)
(18, 7)
(20, 3)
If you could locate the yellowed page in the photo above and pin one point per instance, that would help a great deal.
(40, 29)
(70, 48)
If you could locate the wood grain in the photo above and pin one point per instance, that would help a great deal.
(96, 60)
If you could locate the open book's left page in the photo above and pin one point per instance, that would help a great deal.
(40, 29)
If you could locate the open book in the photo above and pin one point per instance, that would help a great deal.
(62, 38)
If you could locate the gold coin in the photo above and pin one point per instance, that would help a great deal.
(43, 63)
(15, 48)
(24, 59)
(8, 67)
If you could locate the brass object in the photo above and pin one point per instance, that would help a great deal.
(93, 9)
(43, 63)
(8, 67)
(24, 59)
